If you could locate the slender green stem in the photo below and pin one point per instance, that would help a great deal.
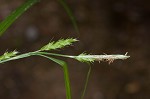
(18, 57)
(86, 82)
(54, 54)
(33, 53)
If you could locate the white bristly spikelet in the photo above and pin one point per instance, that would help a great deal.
(91, 58)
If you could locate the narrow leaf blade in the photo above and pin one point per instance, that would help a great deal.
(15, 14)
(70, 14)
(66, 74)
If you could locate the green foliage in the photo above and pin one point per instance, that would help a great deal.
(4, 25)
(10, 19)
(70, 14)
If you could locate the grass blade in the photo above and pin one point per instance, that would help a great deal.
(66, 74)
(15, 14)
(60, 62)
(70, 14)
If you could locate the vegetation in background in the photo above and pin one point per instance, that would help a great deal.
(45, 50)
(10, 19)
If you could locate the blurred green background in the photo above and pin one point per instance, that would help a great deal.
(105, 26)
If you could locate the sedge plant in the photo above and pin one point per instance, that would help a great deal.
(44, 52)
(54, 45)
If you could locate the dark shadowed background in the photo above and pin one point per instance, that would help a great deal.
(106, 26)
